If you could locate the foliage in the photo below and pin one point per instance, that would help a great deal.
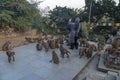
(85, 29)
(99, 9)
(22, 15)
(45, 25)
(18, 14)
(117, 13)
(6, 18)
(61, 15)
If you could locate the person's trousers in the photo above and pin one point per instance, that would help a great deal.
(76, 43)
(71, 45)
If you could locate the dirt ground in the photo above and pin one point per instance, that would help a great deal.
(17, 39)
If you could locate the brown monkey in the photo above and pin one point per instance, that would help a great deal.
(109, 50)
(29, 40)
(61, 39)
(6, 46)
(10, 55)
(93, 47)
(100, 45)
(46, 45)
(39, 46)
(67, 41)
(56, 43)
(83, 42)
(82, 51)
(55, 58)
(64, 51)
(89, 53)
(52, 44)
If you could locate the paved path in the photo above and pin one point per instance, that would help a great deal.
(34, 65)
(91, 69)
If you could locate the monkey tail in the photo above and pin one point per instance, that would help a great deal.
(69, 52)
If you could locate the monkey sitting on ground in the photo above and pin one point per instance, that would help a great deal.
(100, 45)
(61, 39)
(93, 47)
(55, 58)
(82, 51)
(67, 41)
(56, 43)
(6, 46)
(10, 55)
(83, 42)
(89, 53)
(30, 40)
(64, 51)
(52, 44)
(46, 45)
(109, 50)
(39, 46)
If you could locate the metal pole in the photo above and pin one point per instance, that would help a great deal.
(90, 10)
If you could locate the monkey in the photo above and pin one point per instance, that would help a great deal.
(52, 44)
(92, 46)
(10, 55)
(55, 58)
(116, 43)
(100, 45)
(109, 50)
(82, 51)
(61, 39)
(6, 46)
(56, 43)
(31, 40)
(39, 46)
(46, 45)
(28, 39)
(83, 42)
(67, 41)
(89, 53)
(64, 51)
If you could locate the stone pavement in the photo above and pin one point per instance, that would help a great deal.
(31, 64)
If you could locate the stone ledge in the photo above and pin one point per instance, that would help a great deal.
(86, 64)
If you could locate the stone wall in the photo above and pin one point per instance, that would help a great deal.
(17, 39)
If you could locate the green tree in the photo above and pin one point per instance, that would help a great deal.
(117, 13)
(18, 14)
(61, 15)
(6, 18)
(99, 8)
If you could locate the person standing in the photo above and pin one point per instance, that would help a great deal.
(75, 30)
(71, 29)
(78, 31)
(114, 31)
